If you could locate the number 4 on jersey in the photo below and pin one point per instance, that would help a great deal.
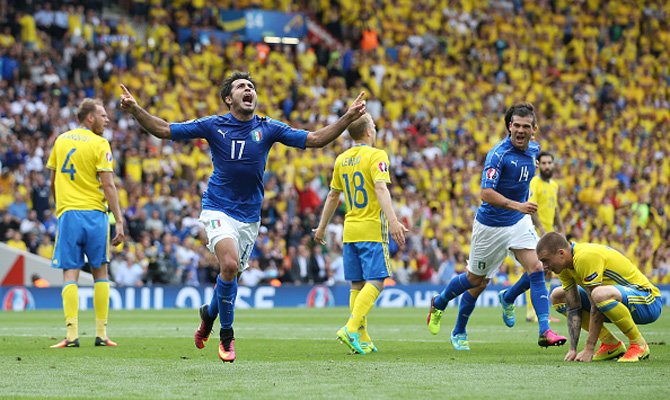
(69, 170)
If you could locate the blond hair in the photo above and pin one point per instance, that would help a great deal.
(358, 128)
(86, 107)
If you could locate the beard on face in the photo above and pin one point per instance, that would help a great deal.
(546, 175)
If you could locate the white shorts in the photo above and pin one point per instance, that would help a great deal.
(220, 225)
(491, 244)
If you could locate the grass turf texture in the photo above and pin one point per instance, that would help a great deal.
(292, 353)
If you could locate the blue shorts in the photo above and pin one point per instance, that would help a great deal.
(81, 233)
(365, 261)
(643, 306)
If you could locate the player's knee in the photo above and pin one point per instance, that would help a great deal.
(229, 267)
(557, 296)
(476, 280)
(600, 294)
(535, 267)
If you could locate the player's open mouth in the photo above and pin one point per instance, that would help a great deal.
(248, 99)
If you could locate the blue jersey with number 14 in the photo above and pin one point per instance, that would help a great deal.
(239, 153)
(508, 171)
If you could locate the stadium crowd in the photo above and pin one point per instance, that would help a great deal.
(438, 77)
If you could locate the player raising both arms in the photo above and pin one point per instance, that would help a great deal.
(503, 224)
(362, 173)
(240, 142)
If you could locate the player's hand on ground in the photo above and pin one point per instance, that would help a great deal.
(357, 108)
(319, 235)
(127, 100)
(120, 236)
(398, 230)
(528, 207)
(585, 356)
(572, 354)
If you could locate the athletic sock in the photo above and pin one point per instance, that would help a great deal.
(456, 286)
(364, 303)
(70, 294)
(101, 306)
(519, 287)
(620, 316)
(540, 298)
(226, 292)
(465, 309)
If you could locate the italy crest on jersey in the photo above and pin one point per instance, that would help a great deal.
(256, 135)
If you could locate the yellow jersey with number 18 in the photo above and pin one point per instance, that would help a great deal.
(545, 194)
(76, 158)
(355, 174)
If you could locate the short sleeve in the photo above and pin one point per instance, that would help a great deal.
(194, 129)
(590, 268)
(533, 190)
(286, 135)
(336, 181)
(567, 281)
(103, 157)
(379, 168)
(51, 162)
(492, 170)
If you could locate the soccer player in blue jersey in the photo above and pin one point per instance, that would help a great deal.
(240, 142)
(82, 179)
(503, 224)
(362, 173)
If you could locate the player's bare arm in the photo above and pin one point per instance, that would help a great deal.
(329, 207)
(52, 185)
(537, 223)
(596, 320)
(396, 228)
(327, 134)
(574, 314)
(496, 199)
(109, 188)
(154, 125)
(558, 221)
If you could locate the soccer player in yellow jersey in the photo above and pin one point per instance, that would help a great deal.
(81, 179)
(544, 192)
(362, 173)
(599, 284)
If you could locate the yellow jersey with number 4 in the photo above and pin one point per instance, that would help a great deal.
(545, 194)
(76, 158)
(355, 174)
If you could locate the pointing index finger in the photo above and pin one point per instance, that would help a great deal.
(360, 96)
(125, 89)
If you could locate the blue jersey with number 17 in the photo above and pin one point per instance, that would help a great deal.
(239, 153)
(508, 171)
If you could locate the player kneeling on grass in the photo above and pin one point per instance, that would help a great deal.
(599, 284)
(362, 173)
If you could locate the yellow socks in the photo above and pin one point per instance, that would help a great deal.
(621, 317)
(605, 335)
(70, 294)
(101, 306)
(363, 303)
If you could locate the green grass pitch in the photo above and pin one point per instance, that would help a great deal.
(293, 354)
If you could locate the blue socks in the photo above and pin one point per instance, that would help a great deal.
(464, 312)
(456, 286)
(539, 296)
(213, 309)
(518, 288)
(225, 293)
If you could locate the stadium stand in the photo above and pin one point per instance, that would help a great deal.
(597, 71)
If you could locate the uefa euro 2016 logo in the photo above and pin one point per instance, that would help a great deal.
(320, 297)
(18, 299)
